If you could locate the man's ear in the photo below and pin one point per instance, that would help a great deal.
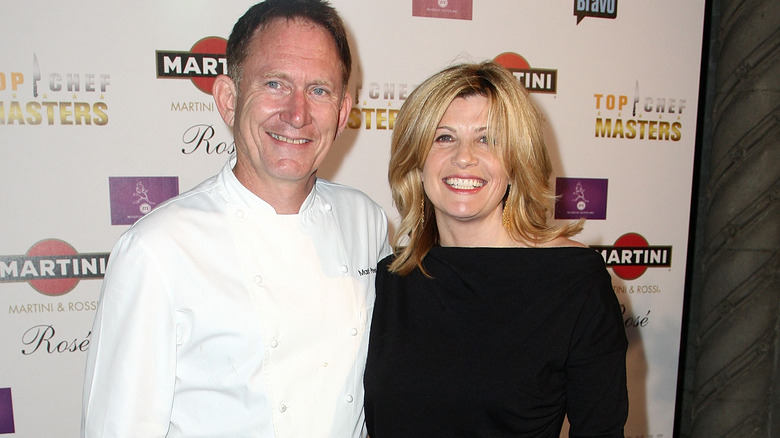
(346, 107)
(225, 93)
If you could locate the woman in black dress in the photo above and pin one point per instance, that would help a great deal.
(488, 321)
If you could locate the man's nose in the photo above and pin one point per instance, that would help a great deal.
(296, 110)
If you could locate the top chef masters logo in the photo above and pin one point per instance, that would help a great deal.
(52, 267)
(38, 94)
(639, 115)
(377, 104)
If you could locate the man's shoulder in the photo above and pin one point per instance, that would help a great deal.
(203, 199)
(352, 208)
(335, 192)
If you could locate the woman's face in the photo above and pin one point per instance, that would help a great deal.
(462, 176)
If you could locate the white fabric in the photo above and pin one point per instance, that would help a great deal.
(220, 318)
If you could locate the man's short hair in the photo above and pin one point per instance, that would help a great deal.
(317, 12)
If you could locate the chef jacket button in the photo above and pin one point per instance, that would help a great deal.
(328, 207)
(349, 398)
(240, 214)
(344, 269)
(274, 343)
(258, 280)
(282, 408)
(353, 331)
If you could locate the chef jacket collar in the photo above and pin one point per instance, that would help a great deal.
(250, 199)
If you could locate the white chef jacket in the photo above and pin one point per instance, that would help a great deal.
(220, 318)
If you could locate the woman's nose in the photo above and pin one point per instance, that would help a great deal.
(464, 155)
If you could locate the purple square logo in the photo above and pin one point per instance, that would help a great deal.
(6, 411)
(134, 196)
(455, 9)
(581, 198)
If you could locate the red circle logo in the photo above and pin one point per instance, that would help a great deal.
(633, 271)
(512, 61)
(56, 286)
(212, 46)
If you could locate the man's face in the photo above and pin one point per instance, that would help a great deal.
(289, 108)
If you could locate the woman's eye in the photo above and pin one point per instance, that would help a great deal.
(444, 138)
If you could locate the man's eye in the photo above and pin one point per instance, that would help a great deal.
(273, 84)
(319, 91)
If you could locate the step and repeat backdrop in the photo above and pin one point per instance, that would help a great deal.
(105, 112)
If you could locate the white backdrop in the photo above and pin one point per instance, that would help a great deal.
(81, 103)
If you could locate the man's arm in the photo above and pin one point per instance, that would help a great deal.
(130, 372)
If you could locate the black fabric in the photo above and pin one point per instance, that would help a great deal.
(502, 342)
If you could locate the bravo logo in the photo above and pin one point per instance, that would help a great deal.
(535, 80)
(595, 8)
(631, 255)
(204, 62)
(52, 267)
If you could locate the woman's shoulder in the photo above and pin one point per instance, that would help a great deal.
(568, 255)
(385, 262)
(563, 242)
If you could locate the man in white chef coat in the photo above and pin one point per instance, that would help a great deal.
(241, 307)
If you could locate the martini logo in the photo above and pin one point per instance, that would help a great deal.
(535, 80)
(52, 267)
(595, 8)
(631, 255)
(204, 62)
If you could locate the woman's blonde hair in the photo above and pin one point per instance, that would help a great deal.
(515, 132)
